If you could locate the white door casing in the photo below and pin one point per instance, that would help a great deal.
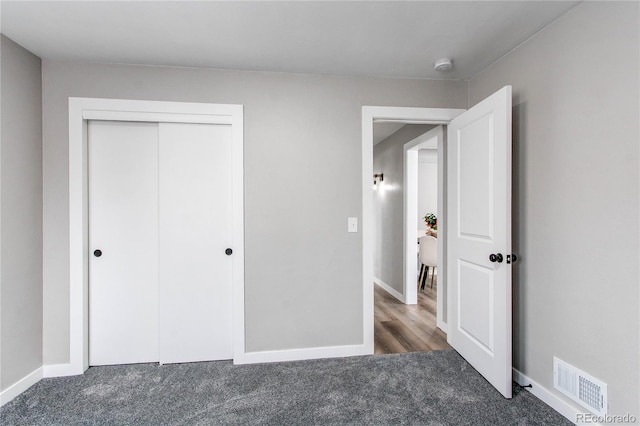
(195, 230)
(123, 222)
(479, 206)
(80, 111)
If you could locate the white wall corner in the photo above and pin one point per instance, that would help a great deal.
(20, 386)
(554, 401)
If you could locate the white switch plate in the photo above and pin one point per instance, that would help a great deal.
(352, 224)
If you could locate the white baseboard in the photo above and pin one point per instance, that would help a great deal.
(442, 325)
(57, 370)
(301, 354)
(563, 407)
(20, 386)
(386, 287)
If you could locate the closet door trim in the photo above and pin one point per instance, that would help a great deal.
(80, 110)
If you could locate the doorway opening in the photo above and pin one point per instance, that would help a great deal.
(478, 225)
(400, 302)
(408, 309)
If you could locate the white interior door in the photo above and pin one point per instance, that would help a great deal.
(195, 230)
(479, 225)
(123, 226)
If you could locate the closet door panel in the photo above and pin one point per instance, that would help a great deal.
(195, 230)
(123, 242)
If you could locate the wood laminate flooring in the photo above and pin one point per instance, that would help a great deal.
(407, 328)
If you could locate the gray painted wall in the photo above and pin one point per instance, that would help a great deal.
(21, 213)
(302, 180)
(575, 185)
(388, 206)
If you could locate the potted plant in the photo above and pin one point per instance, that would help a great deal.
(432, 223)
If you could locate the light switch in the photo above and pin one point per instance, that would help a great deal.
(352, 224)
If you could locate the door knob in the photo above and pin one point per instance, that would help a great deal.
(97, 253)
(496, 258)
(228, 252)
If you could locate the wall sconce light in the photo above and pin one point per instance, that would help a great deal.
(378, 177)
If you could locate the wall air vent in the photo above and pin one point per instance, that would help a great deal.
(587, 391)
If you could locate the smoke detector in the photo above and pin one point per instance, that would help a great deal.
(444, 64)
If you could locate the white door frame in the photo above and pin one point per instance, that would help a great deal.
(380, 114)
(80, 111)
(433, 139)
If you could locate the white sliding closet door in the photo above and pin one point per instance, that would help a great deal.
(123, 242)
(195, 230)
(160, 284)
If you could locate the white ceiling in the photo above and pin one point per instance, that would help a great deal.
(383, 39)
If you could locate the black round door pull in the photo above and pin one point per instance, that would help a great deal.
(496, 258)
(228, 252)
(97, 253)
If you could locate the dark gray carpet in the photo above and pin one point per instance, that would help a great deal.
(421, 388)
